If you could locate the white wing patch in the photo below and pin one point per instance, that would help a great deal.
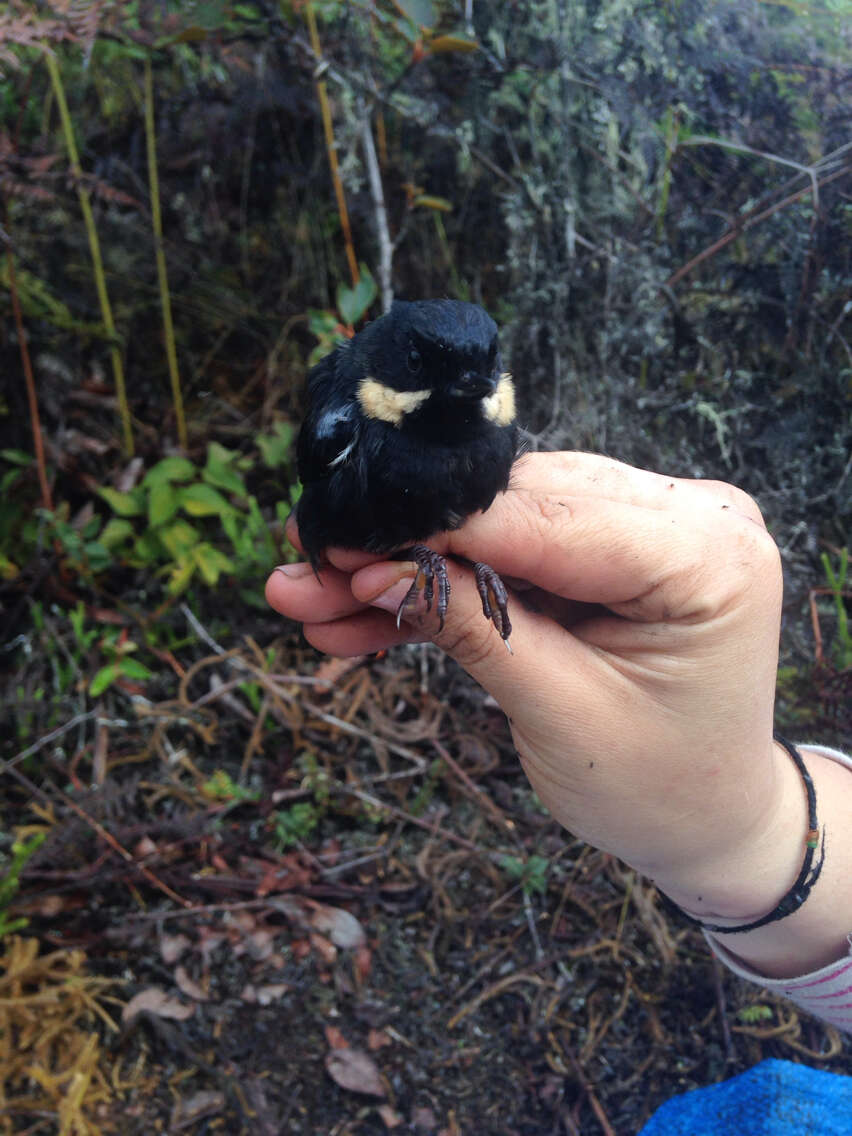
(329, 423)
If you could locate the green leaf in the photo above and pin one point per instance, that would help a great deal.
(99, 558)
(427, 201)
(125, 504)
(90, 529)
(8, 570)
(132, 668)
(321, 323)
(223, 788)
(445, 43)
(169, 469)
(192, 34)
(179, 539)
(275, 448)
(202, 500)
(149, 548)
(420, 12)
(17, 457)
(104, 678)
(353, 302)
(211, 562)
(163, 502)
(180, 576)
(116, 532)
(8, 480)
(220, 469)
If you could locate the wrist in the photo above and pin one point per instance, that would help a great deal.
(817, 933)
(759, 863)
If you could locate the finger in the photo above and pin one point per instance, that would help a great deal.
(361, 634)
(641, 562)
(598, 476)
(294, 591)
(473, 641)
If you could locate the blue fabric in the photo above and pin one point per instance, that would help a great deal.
(775, 1098)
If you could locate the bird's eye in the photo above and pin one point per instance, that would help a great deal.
(414, 362)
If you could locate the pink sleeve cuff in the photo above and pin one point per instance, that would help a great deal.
(826, 993)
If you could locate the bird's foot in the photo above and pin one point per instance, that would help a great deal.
(432, 577)
(495, 600)
(432, 574)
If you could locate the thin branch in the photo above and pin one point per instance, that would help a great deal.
(94, 248)
(42, 742)
(742, 225)
(380, 213)
(741, 148)
(29, 380)
(331, 147)
(162, 276)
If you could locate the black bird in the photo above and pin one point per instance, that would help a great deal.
(410, 428)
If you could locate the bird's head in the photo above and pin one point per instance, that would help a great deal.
(435, 361)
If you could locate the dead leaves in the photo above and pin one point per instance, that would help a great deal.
(355, 1071)
(352, 1069)
(156, 1001)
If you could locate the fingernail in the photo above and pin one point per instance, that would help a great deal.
(390, 599)
(295, 571)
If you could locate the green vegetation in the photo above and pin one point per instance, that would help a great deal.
(10, 881)
(199, 201)
(837, 584)
(531, 873)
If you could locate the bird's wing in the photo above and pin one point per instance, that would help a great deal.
(331, 428)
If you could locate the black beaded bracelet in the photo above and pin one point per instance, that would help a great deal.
(806, 878)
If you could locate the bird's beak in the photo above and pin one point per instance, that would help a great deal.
(473, 385)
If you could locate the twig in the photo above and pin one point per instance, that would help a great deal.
(331, 147)
(409, 818)
(26, 363)
(530, 914)
(269, 684)
(94, 248)
(46, 740)
(479, 796)
(106, 836)
(380, 213)
(162, 276)
(492, 992)
(722, 1008)
(742, 148)
(586, 1085)
(742, 225)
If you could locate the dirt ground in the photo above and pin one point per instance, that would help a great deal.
(420, 949)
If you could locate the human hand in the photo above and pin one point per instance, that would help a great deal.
(640, 692)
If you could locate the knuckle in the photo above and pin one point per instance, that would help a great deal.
(741, 501)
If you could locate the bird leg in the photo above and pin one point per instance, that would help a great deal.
(495, 600)
(431, 570)
(432, 576)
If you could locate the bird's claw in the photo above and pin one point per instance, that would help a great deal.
(495, 600)
(432, 570)
(432, 574)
